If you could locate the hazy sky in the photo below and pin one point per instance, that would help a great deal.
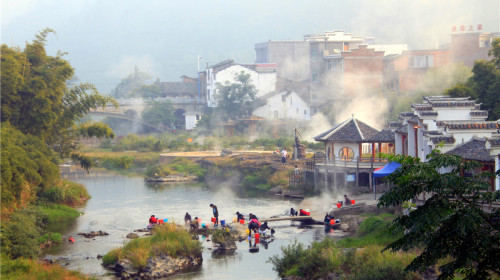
(106, 39)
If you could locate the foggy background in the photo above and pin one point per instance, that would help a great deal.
(105, 40)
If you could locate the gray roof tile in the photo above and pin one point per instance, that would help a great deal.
(473, 149)
(351, 130)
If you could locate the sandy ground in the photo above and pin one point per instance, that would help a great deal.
(211, 153)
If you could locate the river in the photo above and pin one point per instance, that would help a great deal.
(121, 204)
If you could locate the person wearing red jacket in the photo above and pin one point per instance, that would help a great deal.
(153, 220)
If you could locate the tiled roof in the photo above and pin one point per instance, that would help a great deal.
(495, 141)
(351, 130)
(445, 139)
(383, 136)
(461, 103)
(406, 115)
(179, 88)
(402, 129)
(479, 113)
(431, 132)
(428, 113)
(473, 125)
(473, 149)
(395, 124)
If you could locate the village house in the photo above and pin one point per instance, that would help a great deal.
(454, 125)
(283, 105)
(263, 77)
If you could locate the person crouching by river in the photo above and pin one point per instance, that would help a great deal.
(187, 218)
(195, 223)
(253, 224)
(153, 220)
(216, 214)
(240, 216)
(263, 228)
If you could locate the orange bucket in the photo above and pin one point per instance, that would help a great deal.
(353, 201)
(213, 220)
(160, 221)
(257, 235)
(332, 222)
(339, 205)
(242, 221)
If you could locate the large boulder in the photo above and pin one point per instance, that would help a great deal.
(157, 267)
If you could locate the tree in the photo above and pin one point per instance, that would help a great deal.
(129, 85)
(452, 222)
(37, 98)
(236, 100)
(159, 113)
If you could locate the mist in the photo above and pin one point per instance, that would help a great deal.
(105, 40)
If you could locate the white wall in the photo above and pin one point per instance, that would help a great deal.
(292, 108)
(191, 121)
(264, 82)
(453, 114)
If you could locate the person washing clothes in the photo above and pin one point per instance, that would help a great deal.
(216, 214)
(263, 228)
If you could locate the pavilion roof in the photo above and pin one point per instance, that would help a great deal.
(351, 130)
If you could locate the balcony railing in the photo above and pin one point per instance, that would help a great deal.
(354, 162)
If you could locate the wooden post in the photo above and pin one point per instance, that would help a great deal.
(357, 173)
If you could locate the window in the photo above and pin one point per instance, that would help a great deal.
(305, 112)
(314, 55)
(329, 64)
(276, 115)
(208, 94)
(297, 111)
(315, 77)
(422, 61)
(346, 154)
(283, 98)
(198, 117)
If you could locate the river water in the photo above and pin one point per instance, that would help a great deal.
(121, 204)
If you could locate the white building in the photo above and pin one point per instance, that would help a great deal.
(451, 122)
(192, 119)
(263, 77)
(283, 105)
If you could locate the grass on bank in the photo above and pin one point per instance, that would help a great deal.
(358, 257)
(30, 269)
(167, 239)
(66, 192)
(371, 232)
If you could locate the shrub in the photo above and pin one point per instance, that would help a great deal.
(53, 237)
(66, 192)
(221, 236)
(371, 263)
(20, 233)
(167, 238)
(27, 269)
(292, 255)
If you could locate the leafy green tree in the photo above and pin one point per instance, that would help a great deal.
(451, 226)
(236, 100)
(159, 113)
(37, 98)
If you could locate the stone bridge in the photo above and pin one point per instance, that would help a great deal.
(135, 106)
